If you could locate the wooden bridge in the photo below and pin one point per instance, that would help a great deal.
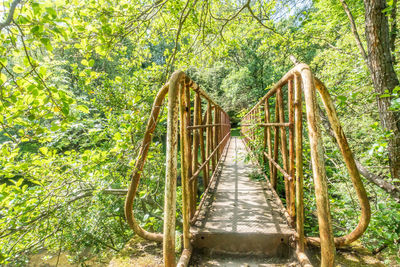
(240, 212)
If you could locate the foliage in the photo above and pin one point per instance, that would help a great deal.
(77, 81)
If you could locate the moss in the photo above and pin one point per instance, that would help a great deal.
(139, 252)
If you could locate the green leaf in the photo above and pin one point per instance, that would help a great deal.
(18, 69)
(54, 127)
(46, 43)
(36, 30)
(44, 150)
(84, 62)
(385, 95)
(3, 78)
(3, 61)
(82, 108)
(52, 12)
(117, 136)
(19, 182)
(36, 8)
(65, 109)
(42, 70)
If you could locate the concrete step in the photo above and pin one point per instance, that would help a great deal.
(213, 260)
(272, 244)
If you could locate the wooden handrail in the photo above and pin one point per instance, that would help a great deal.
(192, 140)
(300, 79)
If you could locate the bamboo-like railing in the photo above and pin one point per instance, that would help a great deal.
(201, 132)
(297, 81)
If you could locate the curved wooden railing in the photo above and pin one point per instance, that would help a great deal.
(206, 134)
(296, 81)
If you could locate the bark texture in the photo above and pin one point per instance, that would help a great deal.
(383, 75)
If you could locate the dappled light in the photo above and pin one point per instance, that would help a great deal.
(199, 133)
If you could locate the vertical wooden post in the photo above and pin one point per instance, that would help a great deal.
(267, 135)
(215, 139)
(185, 163)
(318, 167)
(221, 130)
(284, 149)
(299, 164)
(251, 126)
(276, 145)
(171, 171)
(196, 137)
(217, 132)
(189, 150)
(291, 149)
(254, 127)
(202, 148)
(209, 133)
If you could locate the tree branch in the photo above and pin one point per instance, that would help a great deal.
(182, 20)
(354, 30)
(393, 30)
(10, 14)
(259, 20)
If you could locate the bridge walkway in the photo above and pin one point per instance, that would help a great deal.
(241, 214)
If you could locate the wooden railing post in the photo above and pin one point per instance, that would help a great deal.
(267, 135)
(299, 164)
(171, 171)
(185, 161)
(217, 131)
(202, 145)
(196, 137)
(209, 138)
(319, 174)
(276, 145)
(292, 210)
(284, 149)
(215, 138)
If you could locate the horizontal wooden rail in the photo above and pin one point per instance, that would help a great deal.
(284, 173)
(276, 164)
(207, 125)
(272, 124)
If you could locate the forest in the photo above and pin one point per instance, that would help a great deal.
(77, 84)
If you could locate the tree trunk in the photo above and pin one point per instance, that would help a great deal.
(383, 75)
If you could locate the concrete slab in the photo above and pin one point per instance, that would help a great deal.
(241, 215)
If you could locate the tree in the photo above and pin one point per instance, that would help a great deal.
(380, 63)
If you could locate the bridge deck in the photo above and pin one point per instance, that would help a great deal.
(241, 214)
